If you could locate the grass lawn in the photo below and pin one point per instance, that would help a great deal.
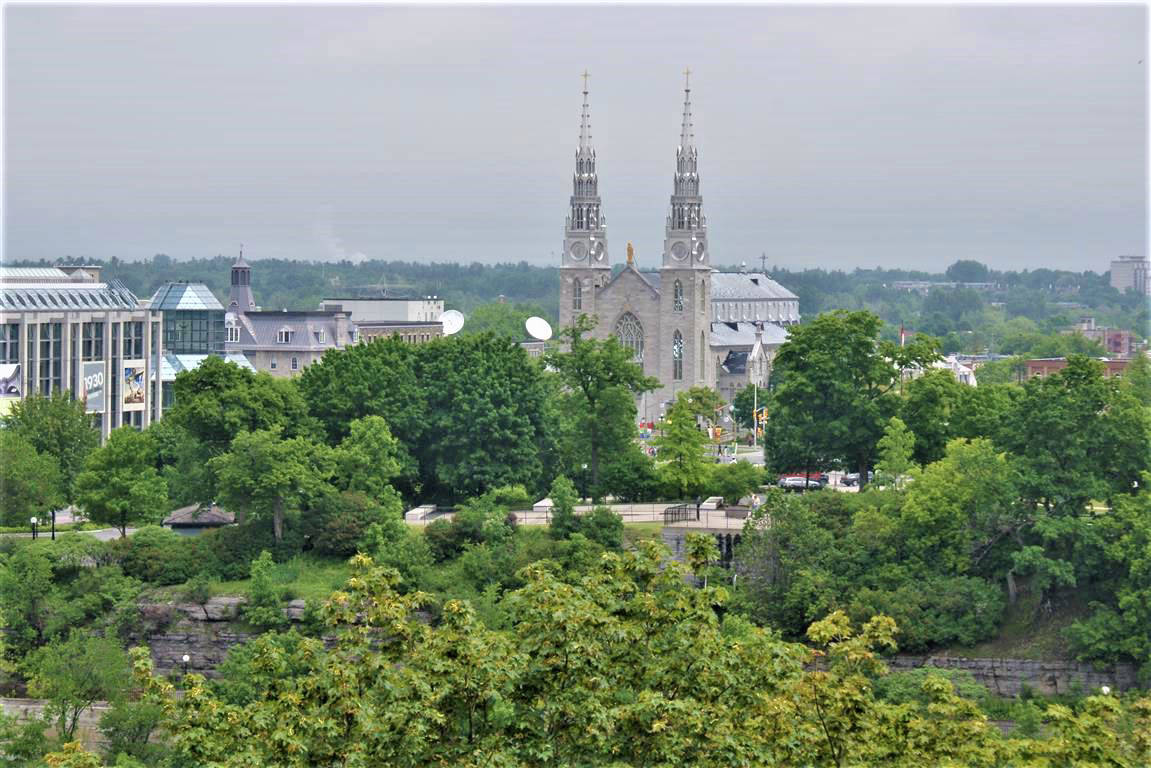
(303, 577)
(1029, 632)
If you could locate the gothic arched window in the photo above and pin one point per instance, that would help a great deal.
(577, 294)
(677, 356)
(629, 331)
(677, 293)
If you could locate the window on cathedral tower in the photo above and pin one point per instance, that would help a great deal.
(577, 294)
(677, 356)
(678, 296)
(629, 332)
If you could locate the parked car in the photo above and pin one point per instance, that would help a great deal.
(852, 478)
(799, 483)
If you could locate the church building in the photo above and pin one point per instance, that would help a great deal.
(687, 324)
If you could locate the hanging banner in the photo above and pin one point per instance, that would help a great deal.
(133, 385)
(10, 380)
(92, 387)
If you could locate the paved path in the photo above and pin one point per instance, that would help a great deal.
(103, 534)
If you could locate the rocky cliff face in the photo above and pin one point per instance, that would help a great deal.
(205, 632)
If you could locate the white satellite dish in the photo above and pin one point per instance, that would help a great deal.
(453, 321)
(538, 328)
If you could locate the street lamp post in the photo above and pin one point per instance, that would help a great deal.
(184, 663)
(53, 524)
(34, 521)
(584, 476)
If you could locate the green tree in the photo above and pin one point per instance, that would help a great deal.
(56, 426)
(1137, 378)
(599, 373)
(76, 673)
(485, 417)
(895, 452)
(218, 400)
(269, 476)
(734, 481)
(831, 382)
(30, 483)
(25, 592)
(929, 410)
(960, 511)
(376, 378)
(369, 458)
(120, 483)
(563, 522)
(681, 443)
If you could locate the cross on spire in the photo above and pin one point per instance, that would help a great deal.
(585, 76)
(763, 262)
(687, 79)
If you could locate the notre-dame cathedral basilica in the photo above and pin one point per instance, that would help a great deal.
(688, 324)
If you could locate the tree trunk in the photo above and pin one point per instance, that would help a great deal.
(278, 520)
(593, 492)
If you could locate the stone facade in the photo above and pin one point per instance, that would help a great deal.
(677, 328)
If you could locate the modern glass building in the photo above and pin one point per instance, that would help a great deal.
(193, 319)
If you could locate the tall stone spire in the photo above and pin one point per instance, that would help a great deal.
(685, 244)
(686, 134)
(585, 235)
(585, 149)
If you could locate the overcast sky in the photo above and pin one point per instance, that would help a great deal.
(834, 137)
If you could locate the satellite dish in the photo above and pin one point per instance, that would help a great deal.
(538, 328)
(453, 321)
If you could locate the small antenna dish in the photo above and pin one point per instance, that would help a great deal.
(538, 328)
(453, 321)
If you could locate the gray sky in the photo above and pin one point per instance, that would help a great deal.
(835, 137)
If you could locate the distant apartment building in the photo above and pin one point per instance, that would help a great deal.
(1131, 272)
(1115, 342)
(1047, 366)
(63, 329)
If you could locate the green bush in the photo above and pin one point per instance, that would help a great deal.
(229, 551)
(263, 607)
(936, 610)
(157, 555)
(337, 524)
(603, 526)
(907, 686)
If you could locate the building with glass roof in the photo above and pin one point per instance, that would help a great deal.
(63, 329)
(193, 319)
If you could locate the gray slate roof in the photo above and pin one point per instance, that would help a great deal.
(736, 286)
(742, 334)
(261, 329)
(173, 296)
(746, 286)
(199, 515)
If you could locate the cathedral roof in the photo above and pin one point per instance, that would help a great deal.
(738, 334)
(644, 278)
(746, 286)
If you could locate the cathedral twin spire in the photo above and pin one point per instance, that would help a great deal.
(586, 233)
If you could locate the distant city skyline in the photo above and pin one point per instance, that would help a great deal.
(837, 137)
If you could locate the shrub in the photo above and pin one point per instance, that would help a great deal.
(444, 538)
(263, 606)
(630, 477)
(157, 555)
(229, 551)
(603, 526)
(337, 524)
(934, 611)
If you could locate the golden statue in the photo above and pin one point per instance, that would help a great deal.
(630, 254)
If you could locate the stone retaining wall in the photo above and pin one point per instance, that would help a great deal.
(1006, 677)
